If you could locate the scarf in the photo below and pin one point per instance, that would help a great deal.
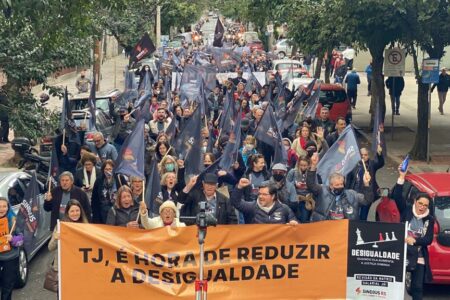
(89, 182)
(265, 209)
(419, 217)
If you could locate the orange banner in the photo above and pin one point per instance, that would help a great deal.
(241, 262)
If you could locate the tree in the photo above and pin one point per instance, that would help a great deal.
(180, 14)
(372, 25)
(38, 38)
(421, 20)
(311, 30)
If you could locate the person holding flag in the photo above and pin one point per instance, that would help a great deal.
(333, 201)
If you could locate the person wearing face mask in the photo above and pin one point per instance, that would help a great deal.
(297, 177)
(334, 202)
(82, 84)
(285, 190)
(170, 164)
(104, 192)
(248, 149)
(123, 126)
(420, 235)
(125, 211)
(56, 200)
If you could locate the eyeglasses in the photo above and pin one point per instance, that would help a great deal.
(422, 204)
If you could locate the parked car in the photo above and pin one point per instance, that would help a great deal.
(335, 98)
(282, 48)
(436, 185)
(288, 67)
(103, 123)
(13, 186)
(80, 102)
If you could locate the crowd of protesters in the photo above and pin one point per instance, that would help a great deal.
(256, 188)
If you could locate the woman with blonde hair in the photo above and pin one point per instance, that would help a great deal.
(125, 210)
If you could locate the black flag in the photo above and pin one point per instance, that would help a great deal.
(92, 106)
(143, 48)
(218, 34)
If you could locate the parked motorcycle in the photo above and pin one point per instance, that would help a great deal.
(30, 158)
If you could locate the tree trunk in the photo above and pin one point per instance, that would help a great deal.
(328, 66)
(377, 88)
(419, 150)
(318, 69)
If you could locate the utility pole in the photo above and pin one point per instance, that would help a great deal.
(97, 62)
(158, 26)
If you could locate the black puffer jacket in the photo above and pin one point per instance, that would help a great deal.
(406, 216)
(279, 214)
(122, 216)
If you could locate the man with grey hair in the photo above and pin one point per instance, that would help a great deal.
(102, 149)
(334, 202)
(57, 199)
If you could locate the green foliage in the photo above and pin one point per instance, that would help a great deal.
(128, 23)
(181, 13)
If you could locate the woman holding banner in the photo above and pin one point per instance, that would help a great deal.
(125, 211)
(9, 252)
(73, 213)
(420, 235)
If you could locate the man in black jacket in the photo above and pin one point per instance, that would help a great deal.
(266, 209)
(216, 203)
(57, 199)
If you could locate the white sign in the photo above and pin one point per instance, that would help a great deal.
(270, 28)
(394, 62)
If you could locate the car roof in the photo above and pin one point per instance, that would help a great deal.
(434, 184)
(100, 94)
(329, 87)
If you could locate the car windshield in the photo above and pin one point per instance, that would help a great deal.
(79, 119)
(332, 96)
(79, 104)
(442, 212)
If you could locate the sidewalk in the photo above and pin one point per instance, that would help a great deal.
(405, 127)
(116, 64)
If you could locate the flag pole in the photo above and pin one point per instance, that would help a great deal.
(13, 226)
(143, 199)
(64, 136)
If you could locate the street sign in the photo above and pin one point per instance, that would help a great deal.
(430, 71)
(394, 62)
(270, 28)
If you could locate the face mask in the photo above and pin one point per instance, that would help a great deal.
(170, 167)
(108, 174)
(122, 117)
(206, 166)
(311, 151)
(203, 149)
(338, 191)
(287, 148)
(278, 177)
(249, 147)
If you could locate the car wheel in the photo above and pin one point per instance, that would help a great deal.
(281, 55)
(408, 282)
(22, 272)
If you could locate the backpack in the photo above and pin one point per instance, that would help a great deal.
(387, 211)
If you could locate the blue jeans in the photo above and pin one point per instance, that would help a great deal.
(395, 101)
